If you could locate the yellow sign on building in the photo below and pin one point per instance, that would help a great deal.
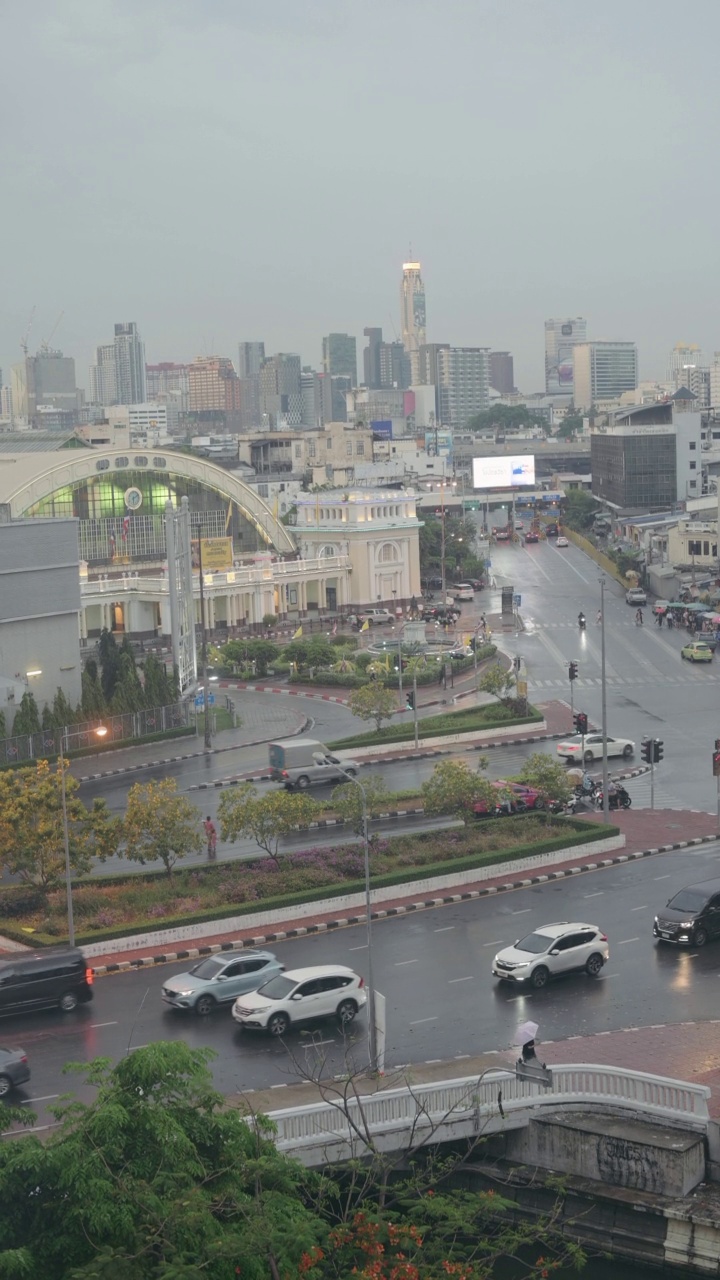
(217, 554)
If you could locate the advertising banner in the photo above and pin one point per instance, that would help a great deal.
(217, 554)
(504, 472)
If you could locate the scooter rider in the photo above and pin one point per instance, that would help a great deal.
(581, 620)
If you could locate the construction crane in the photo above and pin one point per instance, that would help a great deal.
(26, 335)
(45, 344)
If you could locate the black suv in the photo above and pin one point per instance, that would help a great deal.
(692, 917)
(58, 978)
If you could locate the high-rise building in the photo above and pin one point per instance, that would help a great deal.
(682, 356)
(281, 402)
(412, 313)
(339, 356)
(103, 387)
(166, 379)
(463, 385)
(371, 358)
(6, 402)
(715, 381)
(311, 396)
(502, 372)
(603, 371)
(395, 365)
(251, 357)
(43, 382)
(214, 390)
(560, 338)
(129, 365)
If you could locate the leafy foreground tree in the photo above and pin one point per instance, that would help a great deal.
(158, 1180)
(548, 775)
(31, 826)
(265, 819)
(373, 702)
(160, 824)
(454, 788)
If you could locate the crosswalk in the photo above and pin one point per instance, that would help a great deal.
(590, 682)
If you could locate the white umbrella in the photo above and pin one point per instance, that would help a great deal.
(526, 1033)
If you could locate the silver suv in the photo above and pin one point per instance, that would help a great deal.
(220, 979)
(551, 950)
(635, 595)
(302, 995)
(376, 616)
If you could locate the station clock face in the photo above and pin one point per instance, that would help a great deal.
(133, 498)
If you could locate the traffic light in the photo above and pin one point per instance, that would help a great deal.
(657, 750)
(580, 721)
(573, 671)
(716, 759)
(410, 701)
(647, 750)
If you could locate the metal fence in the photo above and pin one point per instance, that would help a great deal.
(74, 737)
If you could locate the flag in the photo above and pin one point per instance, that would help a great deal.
(365, 626)
(334, 630)
(111, 540)
(298, 633)
(126, 526)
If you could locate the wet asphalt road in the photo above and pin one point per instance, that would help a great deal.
(434, 970)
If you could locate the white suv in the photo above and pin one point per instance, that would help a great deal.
(302, 995)
(377, 616)
(462, 591)
(552, 949)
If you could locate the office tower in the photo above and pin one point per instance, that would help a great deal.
(603, 371)
(395, 365)
(251, 357)
(371, 358)
(6, 402)
(560, 338)
(412, 313)
(43, 382)
(166, 379)
(502, 374)
(463, 386)
(129, 365)
(214, 390)
(281, 401)
(103, 387)
(311, 397)
(683, 355)
(339, 356)
(427, 363)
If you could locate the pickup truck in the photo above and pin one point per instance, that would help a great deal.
(303, 762)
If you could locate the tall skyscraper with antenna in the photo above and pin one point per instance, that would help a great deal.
(412, 314)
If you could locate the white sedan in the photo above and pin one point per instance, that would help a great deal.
(572, 748)
(562, 542)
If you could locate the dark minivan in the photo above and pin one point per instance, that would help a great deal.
(59, 978)
(692, 917)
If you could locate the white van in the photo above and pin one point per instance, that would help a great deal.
(463, 591)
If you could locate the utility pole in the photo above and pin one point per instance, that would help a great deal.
(415, 714)
(206, 678)
(606, 798)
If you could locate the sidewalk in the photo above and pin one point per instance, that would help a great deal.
(646, 834)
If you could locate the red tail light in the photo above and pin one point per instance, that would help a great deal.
(284, 773)
(603, 937)
(89, 975)
(24, 1058)
(361, 982)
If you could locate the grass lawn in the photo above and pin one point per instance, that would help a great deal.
(220, 718)
(492, 716)
(133, 903)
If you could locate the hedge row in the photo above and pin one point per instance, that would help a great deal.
(581, 832)
(438, 727)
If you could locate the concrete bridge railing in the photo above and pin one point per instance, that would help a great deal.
(472, 1106)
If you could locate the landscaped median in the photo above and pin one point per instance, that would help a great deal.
(470, 722)
(212, 900)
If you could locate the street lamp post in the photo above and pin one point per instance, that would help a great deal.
(606, 798)
(101, 732)
(372, 1030)
(206, 681)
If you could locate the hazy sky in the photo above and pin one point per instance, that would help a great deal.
(221, 170)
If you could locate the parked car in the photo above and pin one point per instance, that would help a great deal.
(562, 541)
(14, 1069)
(220, 979)
(302, 995)
(551, 950)
(635, 595)
(376, 617)
(58, 978)
(697, 651)
(521, 797)
(692, 916)
(572, 748)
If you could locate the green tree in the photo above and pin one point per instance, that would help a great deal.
(46, 719)
(265, 819)
(505, 417)
(160, 824)
(454, 789)
(62, 712)
(314, 652)
(548, 776)
(497, 681)
(570, 425)
(27, 717)
(31, 826)
(109, 663)
(373, 702)
(128, 695)
(269, 620)
(262, 653)
(158, 684)
(93, 700)
(156, 1179)
(347, 800)
(3, 730)
(580, 509)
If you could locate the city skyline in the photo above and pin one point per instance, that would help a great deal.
(552, 217)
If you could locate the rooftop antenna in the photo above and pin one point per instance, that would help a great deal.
(26, 335)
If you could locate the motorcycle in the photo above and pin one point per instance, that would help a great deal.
(617, 799)
(581, 621)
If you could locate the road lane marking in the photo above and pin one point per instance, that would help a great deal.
(47, 1097)
(667, 877)
(94, 1025)
(622, 941)
(445, 928)
(417, 1021)
(598, 894)
(468, 979)
(494, 944)
(362, 947)
(644, 907)
(399, 962)
(523, 912)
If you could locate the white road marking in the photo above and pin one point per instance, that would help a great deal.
(362, 947)
(523, 912)
(417, 1021)
(445, 929)
(644, 907)
(622, 941)
(94, 1025)
(667, 877)
(47, 1097)
(598, 894)
(498, 943)
(315, 1044)
(468, 979)
(399, 962)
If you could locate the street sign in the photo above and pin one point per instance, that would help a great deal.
(200, 700)
(517, 601)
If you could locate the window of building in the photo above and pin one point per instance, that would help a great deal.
(693, 466)
(327, 550)
(388, 552)
(328, 442)
(102, 465)
(159, 462)
(121, 462)
(693, 484)
(298, 451)
(311, 449)
(694, 548)
(348, 448)
(693, 444)
(706, 548)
